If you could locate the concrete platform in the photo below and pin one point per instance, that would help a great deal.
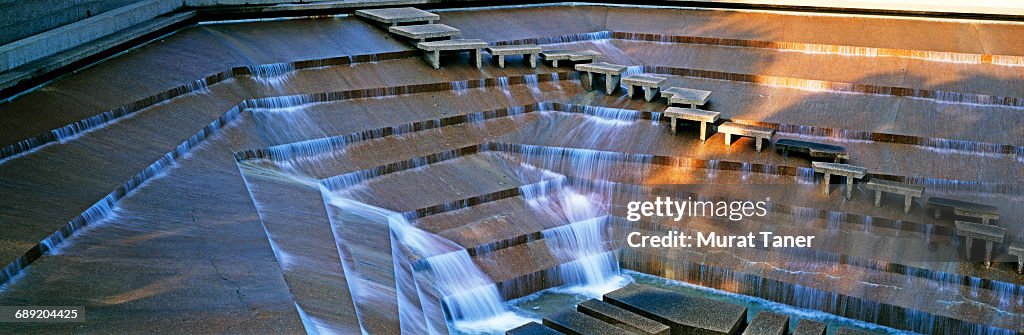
(684, 314)
(808, 327)
(433, 50)
(834, 153)
(611, 73)
(632, 322)
(686, 96)
(851, 172)
(991, 234)
(940, 204)
(395, 16)
(554, 56)
(424, 32)
(706, 118)
(768, 323)
(908, 191)
(649, 83)
(759, 134)
(571, 322)
(533, 328)
(529, 51)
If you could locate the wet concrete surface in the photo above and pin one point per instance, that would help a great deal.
(214, 269)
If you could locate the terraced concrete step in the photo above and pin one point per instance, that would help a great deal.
(532, 328)
(571, 322)
(768, 323)
(808, 327)
(684, 314)
(622, 318)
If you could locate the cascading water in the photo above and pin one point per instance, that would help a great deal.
(471, 301)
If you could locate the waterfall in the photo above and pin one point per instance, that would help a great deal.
(470, 300)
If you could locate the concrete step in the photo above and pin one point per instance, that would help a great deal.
(532, 328)
(768, 323)
(571, 322)
(809, 327)
(684, 314)
(622, 318)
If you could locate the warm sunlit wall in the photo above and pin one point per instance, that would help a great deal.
(1000, 7)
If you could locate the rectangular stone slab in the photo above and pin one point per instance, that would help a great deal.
(518, 49)
(840, 169)
(532, 328)
(397, 15)
(746, 130)
(602, 67)
(689, 96)
(622, 318)
(571, 322)
(692, 114)
(939, 203)
(573, 55)
(895, 187)
(643, 80)
(808, 327)
(981, 231)
(424, 31)
(848, 331)
(450, 45)
(768, 323)
(813, 149)
(684, 314)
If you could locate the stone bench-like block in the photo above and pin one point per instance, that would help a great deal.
(758, 133)
(532, 328)
(611, 74)
(691, 114)
(433, 49)
(622, 318)
(815, 150)
(851, 172)
(684, 314)
(528, 51)
(991, 234)
(939, 204)
(986, 214)
(908, 191)
(808, 327)
(571, 322)
(1017, 249)
(686, 96)
(554, 56)
(849, 331)
(649, 83)
(423, 32)
(768, 323)
(394, 16)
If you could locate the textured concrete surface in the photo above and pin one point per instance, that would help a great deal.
(532, 328)
(684, 314)
(106, 157)
(622, 318)
(571, 322)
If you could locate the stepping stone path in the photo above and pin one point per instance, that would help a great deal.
(686, 96)
(690, 114)
(851, 172)
(649, 83)
(424, 32)
(758, 133)
(830, 152)
(611, 73)
(989, 233)
(579, 56)
(528, 51)
(433, 50)
(394, 16)
(909, 191)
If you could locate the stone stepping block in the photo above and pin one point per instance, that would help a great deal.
(571, 322)
(849, 331)
(532, 328)
(813, 149)
(684, 314)
(627, 320)
(808, 327)
(529, 51)
(423, 32)
(686, 96)
(394, 16)
(768, 323)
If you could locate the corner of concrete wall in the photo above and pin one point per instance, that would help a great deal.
(24, 51)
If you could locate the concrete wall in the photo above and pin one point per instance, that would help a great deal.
(24, 18)
(53, 41)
